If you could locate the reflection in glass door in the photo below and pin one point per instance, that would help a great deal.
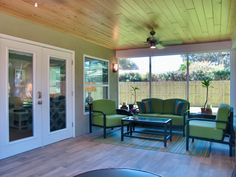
(57, 84)
(20, 95)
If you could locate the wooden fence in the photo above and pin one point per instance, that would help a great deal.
(218, 93)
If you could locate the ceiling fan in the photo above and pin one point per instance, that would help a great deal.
(154, 42)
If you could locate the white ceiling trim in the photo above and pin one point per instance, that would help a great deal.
(174, 50)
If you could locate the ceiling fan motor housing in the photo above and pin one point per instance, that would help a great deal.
(152, 41)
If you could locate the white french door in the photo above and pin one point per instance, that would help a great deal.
(20, 124)
(36, 102)
(57, 86)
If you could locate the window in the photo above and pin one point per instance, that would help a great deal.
(214, 66)
(168, 77)
(177, 76)
(96, 84)
(133, 72)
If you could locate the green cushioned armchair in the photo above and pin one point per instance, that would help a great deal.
(103, 113)
(220, 129)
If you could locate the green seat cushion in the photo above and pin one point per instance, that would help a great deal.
(147, 105)
(176, 119)
(106, 106)
(205, 129)
(169, 106)
(111, 120)
(223, 114)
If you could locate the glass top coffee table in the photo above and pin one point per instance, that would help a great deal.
(158, 128)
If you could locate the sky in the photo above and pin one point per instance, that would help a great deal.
(160, 64)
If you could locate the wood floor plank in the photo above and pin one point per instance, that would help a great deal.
(73, 156)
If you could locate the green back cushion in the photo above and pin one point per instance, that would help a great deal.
(106, 106)
(181, 107)
(157, 105)
(169, 106)
(223, 114)
(141, 107)
(147, 105)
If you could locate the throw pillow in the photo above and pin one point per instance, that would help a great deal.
(147, 105)
(180, 108)
(141, 107)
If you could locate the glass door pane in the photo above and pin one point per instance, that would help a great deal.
(57, 84)
(20, 88)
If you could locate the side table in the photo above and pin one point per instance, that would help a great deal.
(202, 115)
(19, 119)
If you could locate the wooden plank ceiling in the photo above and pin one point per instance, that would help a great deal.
(123, 24)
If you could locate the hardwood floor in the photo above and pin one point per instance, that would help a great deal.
(73, 156)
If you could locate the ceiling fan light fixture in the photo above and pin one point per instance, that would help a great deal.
(152, 45)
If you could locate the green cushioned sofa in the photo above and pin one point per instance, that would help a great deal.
(175, 109)
(220, 129)
(103, 113)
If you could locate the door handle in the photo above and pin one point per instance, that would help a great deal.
(40, 98)
(39, 95)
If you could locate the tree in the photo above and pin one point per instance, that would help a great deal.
(183, 67)
(132, 77)
(215, 58)
(214, 65)
(172, 76)
(222, 74)
(127, 64)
